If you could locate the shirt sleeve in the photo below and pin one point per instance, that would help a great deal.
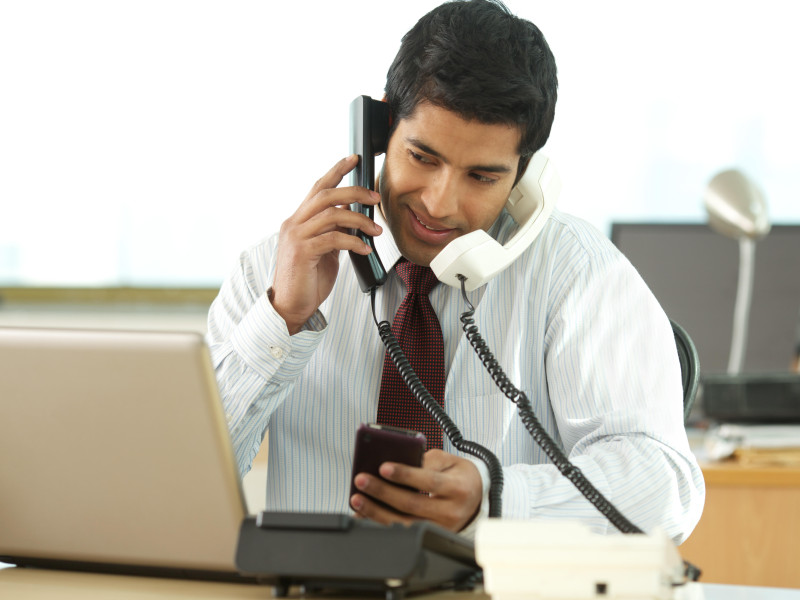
(614, 383)
(255, 359)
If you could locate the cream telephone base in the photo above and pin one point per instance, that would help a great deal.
(565, 561)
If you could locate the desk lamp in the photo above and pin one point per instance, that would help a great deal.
(737, 209)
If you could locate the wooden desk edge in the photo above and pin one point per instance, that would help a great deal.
(733, 473)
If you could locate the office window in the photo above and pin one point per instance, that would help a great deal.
(146, 142)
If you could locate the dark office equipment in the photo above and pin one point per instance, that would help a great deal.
(337, 552)
(752, 398)
(693, 271)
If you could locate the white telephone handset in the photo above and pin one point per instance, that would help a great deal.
(477, 256)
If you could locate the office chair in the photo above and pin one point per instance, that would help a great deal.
(690, 366)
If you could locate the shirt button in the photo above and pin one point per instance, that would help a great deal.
(276, 352)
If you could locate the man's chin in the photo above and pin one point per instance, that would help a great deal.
(422, 258)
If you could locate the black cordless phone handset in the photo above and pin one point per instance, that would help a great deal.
(369, 132)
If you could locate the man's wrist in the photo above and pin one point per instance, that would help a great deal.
(292, 326)
(316, 322)
(483, 509)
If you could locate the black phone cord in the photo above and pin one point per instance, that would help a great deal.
(541, 437)
(532, 424)
(430, 404)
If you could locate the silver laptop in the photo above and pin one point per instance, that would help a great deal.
(114, 453)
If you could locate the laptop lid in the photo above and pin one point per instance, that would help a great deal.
(114, 451)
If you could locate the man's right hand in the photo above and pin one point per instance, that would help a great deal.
(310, 241)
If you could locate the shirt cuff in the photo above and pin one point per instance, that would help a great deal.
(483, 511)
(262, 340)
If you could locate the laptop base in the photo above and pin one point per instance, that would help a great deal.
(125, 569)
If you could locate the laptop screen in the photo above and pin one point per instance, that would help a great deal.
(114, 449)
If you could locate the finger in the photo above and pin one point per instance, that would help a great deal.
(334, 197)
(452, 500)
(305, 250)
(334, 241)
(432, 480)
(326, 232)
(437, 459)
(366, 507)
(335, 174)
(405, 501)
(336, 218)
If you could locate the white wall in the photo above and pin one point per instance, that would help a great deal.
(148, 141)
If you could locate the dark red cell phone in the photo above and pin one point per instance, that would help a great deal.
(377, 444)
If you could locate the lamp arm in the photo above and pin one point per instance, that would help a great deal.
(741, 312)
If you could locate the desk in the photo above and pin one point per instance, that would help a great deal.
(749, 533)
(38, 584)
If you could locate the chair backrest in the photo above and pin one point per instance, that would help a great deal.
(690, 366)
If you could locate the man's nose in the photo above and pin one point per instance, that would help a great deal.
(441, 195)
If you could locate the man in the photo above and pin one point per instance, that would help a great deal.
(472, 94)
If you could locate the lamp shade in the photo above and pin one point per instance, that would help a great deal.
(736, 207)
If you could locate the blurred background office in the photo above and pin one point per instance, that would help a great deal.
(147, 142)
(144, 144)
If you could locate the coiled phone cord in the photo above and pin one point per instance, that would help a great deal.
(532, 424)
(541, 437)
(450, 429)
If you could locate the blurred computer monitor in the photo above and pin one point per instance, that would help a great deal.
(693, 272)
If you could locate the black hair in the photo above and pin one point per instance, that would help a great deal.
(475, 58)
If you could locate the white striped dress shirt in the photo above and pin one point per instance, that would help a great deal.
(572, 324)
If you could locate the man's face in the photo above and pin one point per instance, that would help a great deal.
(444, 177)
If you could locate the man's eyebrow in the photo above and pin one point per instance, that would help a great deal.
(499, 168)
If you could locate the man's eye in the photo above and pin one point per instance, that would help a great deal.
(482, 178)
(419, 157)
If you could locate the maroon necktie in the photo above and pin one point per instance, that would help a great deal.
(417, 329)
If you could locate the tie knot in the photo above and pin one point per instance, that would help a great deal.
(418, 280)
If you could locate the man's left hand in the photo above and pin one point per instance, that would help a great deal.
(453, 485)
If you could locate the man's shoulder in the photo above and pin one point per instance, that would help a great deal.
(572, 228)
(573, 239)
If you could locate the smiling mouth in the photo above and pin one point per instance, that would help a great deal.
(428, 227)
